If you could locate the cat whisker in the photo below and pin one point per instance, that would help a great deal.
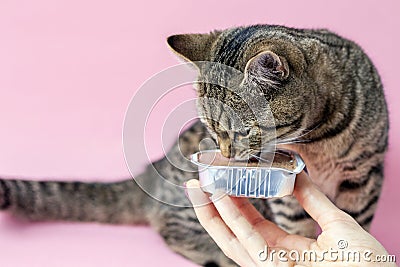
(296, 138)
(288, 142)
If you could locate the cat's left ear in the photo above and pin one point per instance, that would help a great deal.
(193, 47)
(268, 64)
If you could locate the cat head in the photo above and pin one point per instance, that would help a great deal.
(275, 61)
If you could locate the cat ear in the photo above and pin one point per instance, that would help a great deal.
(192, 47)
(268, 64)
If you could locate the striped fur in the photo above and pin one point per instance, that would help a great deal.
(73, 201)
(328, 105)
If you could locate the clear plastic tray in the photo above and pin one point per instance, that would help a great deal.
(266, 179)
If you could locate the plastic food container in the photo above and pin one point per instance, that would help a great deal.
(273, 175)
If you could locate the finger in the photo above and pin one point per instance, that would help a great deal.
(269, 230)
(211, 221)
(274, 236)
(249, 237)
(320, 208)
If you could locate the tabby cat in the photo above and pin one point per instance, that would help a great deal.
(328, 104)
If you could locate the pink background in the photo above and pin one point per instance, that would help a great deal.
(68, 69)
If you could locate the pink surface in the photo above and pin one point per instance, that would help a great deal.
(68, 70)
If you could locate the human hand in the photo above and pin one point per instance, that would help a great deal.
(249, 239)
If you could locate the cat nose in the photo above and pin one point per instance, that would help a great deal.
(225, 145)
(227, 152)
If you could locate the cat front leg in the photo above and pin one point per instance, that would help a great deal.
(288, 214)
(183, 233)
(358, 196)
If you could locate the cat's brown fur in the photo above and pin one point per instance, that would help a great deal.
(328, 104)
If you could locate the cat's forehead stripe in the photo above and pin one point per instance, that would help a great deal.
(230, 50)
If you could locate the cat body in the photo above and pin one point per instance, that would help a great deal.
(328, 105)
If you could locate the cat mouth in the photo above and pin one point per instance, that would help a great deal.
(253, 159)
